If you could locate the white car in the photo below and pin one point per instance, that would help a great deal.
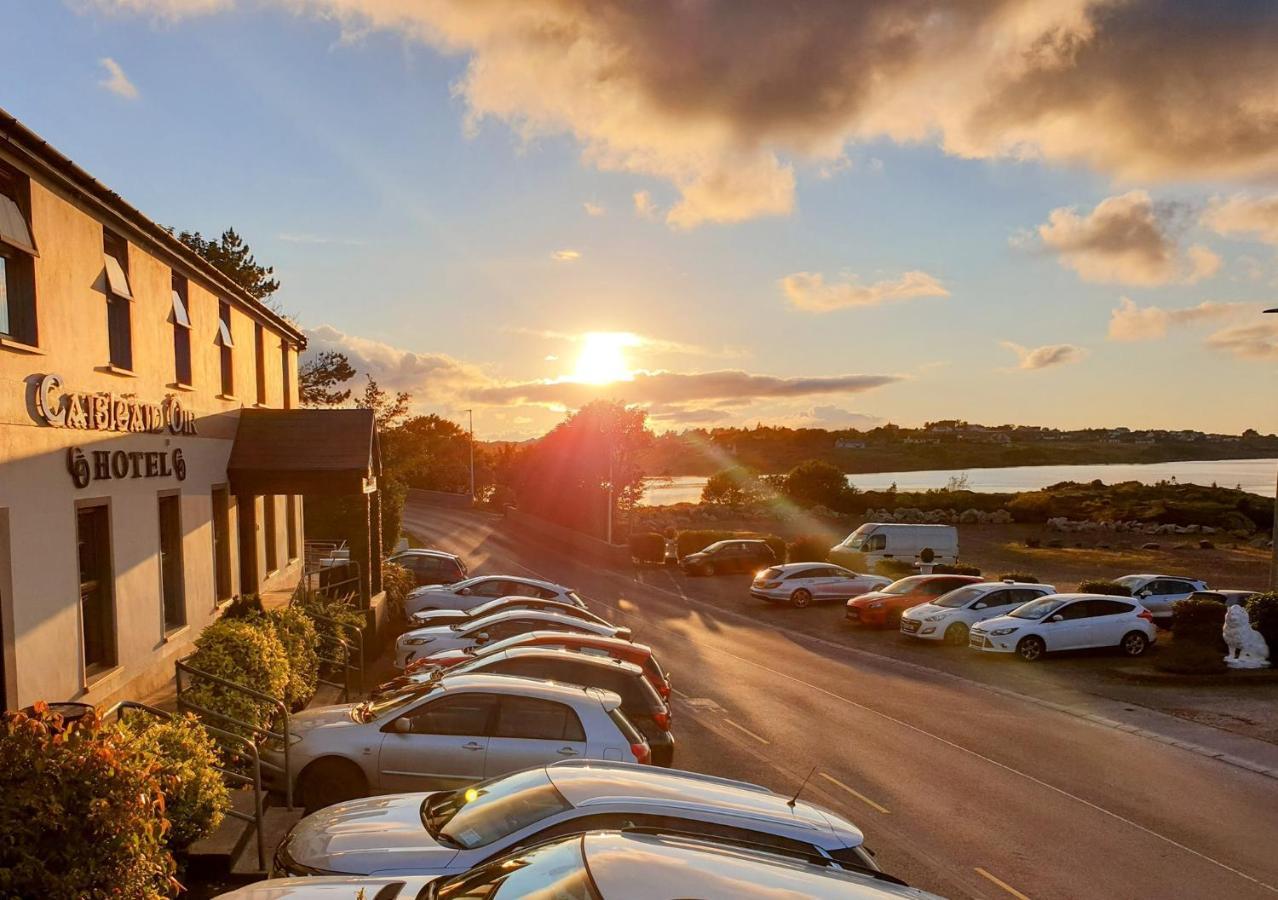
(1159, 593)
(426, 641)
(1067, 622)
(460, 730)
(949, 617)
(474, 591)
(453, 831)
(456, 616)
(613, 865)
(802, 583)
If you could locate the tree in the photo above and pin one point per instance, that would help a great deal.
(387, 412)
(235, 259)
(734, 486)
(432, 453)
(816, 483)
(321, 375)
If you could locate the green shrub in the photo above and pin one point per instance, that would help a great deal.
(1199, 619)
(296, 632)
(1190, 658)
(1263, 611)
(735, 486)
(185, 760)
(648, 547)
(955, 569)
(397, 581)
(776, 544)
(248, 653)
(1022, 577)
(894, 568)
(244, 606)
(816, 483)
(808, 548)
(1110, 588)
(320, 608)
(81, 812)
(698, 539)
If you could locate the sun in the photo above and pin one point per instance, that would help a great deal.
(603, 357)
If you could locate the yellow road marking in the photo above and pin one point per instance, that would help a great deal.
(761, 740)
(855, 793)
(1001, 883)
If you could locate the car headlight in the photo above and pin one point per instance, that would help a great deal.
(936, 618)
(877, 604)
(1002, 631)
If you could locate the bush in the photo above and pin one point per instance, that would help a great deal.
(1199, 619)
(894, 568)
(808, 548)
(296, 632)
(816, 483)
(244, 606)
(397, 581)
(956, 569)
(735, 486)
(776, 544)
(1263, 611)
(321, 607)
(1110, 588)
(81, 812)
(245, 652)
(184, 757)
(1022, 577)
(648, 547)
(1190, 658)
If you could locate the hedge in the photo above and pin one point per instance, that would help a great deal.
(336, 608)
(1263, 611)
(185, 760)
(1199, 619)
(248, 654)
(296, 632)
(81, 812)
(894, 568)
(1109, 588)
(808, 548)
(955, 569)
(1020, 577)
(397, 581)
(648, 547)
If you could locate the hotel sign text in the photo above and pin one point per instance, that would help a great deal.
(110, 412)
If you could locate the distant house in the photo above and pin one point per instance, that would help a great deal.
(848, 444)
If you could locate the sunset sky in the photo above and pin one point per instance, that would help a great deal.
(1056, 213)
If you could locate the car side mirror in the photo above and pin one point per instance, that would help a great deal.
(1057, 618)
(481, 638)
(465, 592)
(403, 726)
(978, 606)
(1142, 594)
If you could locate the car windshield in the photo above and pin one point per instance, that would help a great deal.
(1037, 609)
(905, 585)
(857, 538)
(375, 709)
(958, 598)
(769, 574)
(1130, 581)
(550, 872)
(717, 545)
(478, 815)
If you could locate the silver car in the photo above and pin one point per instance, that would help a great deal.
(453, 831)
(1159, 593)
(474, 591)
(424, 641)
(615, 865)
(461, 730)
(436, 617)
(800, 584)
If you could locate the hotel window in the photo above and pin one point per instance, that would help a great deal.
(181, 318)
(259, 356)
(286, 376)
(221, 544)
(171, 562)
(269, 534)
(227, 346)
(17, 255)
(290, 522)
(97, 599)
(115, 254)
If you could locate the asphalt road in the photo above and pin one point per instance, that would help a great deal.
(958, 790)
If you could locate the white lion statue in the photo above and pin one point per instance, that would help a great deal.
(1247, 648)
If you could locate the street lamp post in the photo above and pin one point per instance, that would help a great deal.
(1273, 553)
(471, 413)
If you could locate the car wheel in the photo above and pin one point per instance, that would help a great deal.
(1134, 643)
(956, 635)
(1031, 648)
(801, 598)
(329, 781)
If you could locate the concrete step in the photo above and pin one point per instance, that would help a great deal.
(211, 857)
(276, 822)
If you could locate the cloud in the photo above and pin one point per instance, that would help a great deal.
(1045, 356)
(1130, 322)
(834, 167)
(641, 341)
(809, 292)
(1258, 341)
(833, 418)
(644, 207)
(718, 97)
(565, 256)
(1256, 217)
(116, 81)
(1126, 239)
(593, 209)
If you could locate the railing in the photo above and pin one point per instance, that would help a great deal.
(188, 676)
(343, 651)
(241, 748)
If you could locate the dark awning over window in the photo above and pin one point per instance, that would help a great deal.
(305, 451)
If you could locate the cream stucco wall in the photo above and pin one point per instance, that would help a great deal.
(39, 593)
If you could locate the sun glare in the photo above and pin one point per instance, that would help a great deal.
(603, 357)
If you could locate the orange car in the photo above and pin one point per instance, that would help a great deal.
(884, 608)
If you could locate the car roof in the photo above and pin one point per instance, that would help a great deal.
(1079, 596)
(1164, 575)
(990, 585)
(595, 785)
(422, 551)
(603, 662)
(548, 615)
(521, 578)
(800, 566)
(585, 637)
(626, 865)
(516, 684)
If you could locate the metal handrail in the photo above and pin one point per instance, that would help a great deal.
(228, 774)
(347, 647)
(281, 736)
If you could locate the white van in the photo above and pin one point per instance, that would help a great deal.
(875, 541)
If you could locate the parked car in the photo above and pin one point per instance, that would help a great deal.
(884, 607)
(874, 542)
(424, 641)
(640, 701)
(431, 566)
(1227, 597)
(729, 556)
(455, 616)
(949, 617)
(804, 583)
(454, 831)
(618, 648)
(613, 865)
(475, 591)
(1158, 593)
(1067, 622)
(462, 730)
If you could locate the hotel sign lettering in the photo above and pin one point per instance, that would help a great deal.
(100, 465)
(110, 412)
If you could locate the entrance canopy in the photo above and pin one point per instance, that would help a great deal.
(305, 451)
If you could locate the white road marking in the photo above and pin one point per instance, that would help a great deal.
(703, 703)
(1001, 883)
(855, 793)
(742, 728)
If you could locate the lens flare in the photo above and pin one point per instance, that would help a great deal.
(603, 357)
